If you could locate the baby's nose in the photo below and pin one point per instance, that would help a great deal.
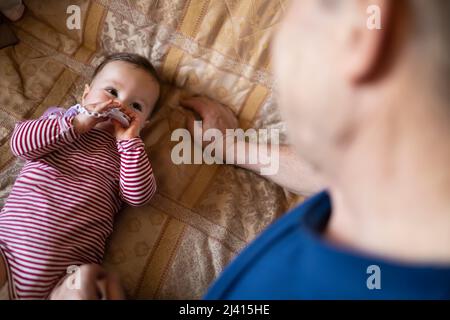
(119, 103)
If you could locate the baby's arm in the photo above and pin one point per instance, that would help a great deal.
(33, 139)
(137, 182)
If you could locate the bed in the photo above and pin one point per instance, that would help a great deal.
(202, 215)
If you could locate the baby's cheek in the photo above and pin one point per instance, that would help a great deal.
(96, 97)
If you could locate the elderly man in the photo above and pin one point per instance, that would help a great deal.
(369, 111)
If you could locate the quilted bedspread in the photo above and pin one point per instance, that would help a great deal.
(202, 215)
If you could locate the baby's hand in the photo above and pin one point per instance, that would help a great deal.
(83, 122)
(133, 130)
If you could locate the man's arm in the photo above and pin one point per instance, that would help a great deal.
(293, 173)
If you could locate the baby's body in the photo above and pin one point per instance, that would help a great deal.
(61, 209)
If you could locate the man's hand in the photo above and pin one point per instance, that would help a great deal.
(84, 122)
(294, 174)
(213, 115)
(89, 282)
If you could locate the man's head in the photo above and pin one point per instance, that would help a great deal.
(128, 78)
(339, 79)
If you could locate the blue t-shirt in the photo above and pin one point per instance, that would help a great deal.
(291, 261)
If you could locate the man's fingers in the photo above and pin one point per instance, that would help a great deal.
(196, 105)
(190, 122)
(114, 290)
(102, 288)
(89, 275)
(109, 288)
(94, 283)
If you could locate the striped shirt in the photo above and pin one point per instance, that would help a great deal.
(60, 211)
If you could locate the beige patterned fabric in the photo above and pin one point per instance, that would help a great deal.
(202, 215)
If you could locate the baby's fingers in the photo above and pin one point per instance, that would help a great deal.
(107, 105)
(96, 106)
(128, 112)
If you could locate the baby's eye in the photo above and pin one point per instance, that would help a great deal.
(112, 91)
(137, 106)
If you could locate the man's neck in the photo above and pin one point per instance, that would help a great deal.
(391, 197)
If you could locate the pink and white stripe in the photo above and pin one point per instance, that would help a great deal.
(60, 211)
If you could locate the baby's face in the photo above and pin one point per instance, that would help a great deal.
(133, 87)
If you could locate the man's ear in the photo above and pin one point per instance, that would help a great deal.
(367, 39)
(85, 93)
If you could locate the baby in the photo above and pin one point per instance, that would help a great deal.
(79, 171)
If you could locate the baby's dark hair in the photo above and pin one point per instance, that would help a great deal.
(135, 59)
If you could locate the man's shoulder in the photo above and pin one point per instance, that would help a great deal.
(276, 254)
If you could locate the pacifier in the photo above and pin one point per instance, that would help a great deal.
(118, 115)
(115, 114)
